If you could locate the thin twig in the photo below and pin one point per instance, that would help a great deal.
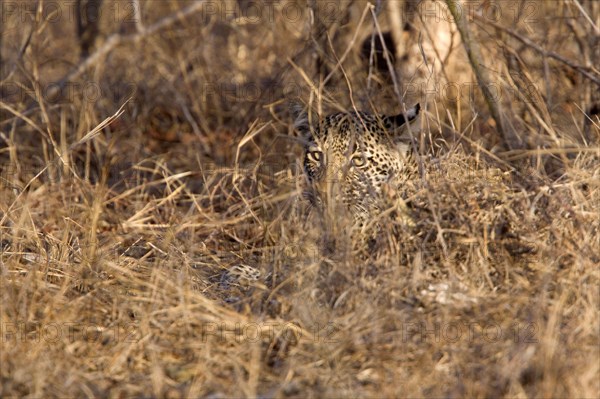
(350, 45)
(476, 60)
(528, 42)
(117, 39)
(386, 53)
(586, 16)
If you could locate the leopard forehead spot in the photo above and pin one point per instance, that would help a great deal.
(360, 153)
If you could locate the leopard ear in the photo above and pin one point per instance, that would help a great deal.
(301, 124)
(398, 122)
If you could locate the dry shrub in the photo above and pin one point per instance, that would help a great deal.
(173, 254)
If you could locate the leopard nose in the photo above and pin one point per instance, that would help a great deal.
(332, 184)
(332, 199)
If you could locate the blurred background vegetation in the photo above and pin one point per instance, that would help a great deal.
(202, 73)
(150, 194)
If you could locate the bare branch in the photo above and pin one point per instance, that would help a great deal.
(587, 17)
(528, 42)
(116, 39)
(476, 60)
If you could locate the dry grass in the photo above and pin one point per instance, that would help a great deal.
(170, 253)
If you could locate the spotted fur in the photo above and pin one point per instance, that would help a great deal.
(349, 157)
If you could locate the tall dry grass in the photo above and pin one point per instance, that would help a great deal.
(165, 249)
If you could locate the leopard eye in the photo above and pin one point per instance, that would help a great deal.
(316, 156)
(358, 161)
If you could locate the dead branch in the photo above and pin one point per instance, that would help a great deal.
(528, 42)
(476, 60)
(117, 39)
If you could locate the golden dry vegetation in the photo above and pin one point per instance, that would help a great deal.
(154, 241)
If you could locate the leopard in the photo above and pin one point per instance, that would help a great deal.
(354, 162)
